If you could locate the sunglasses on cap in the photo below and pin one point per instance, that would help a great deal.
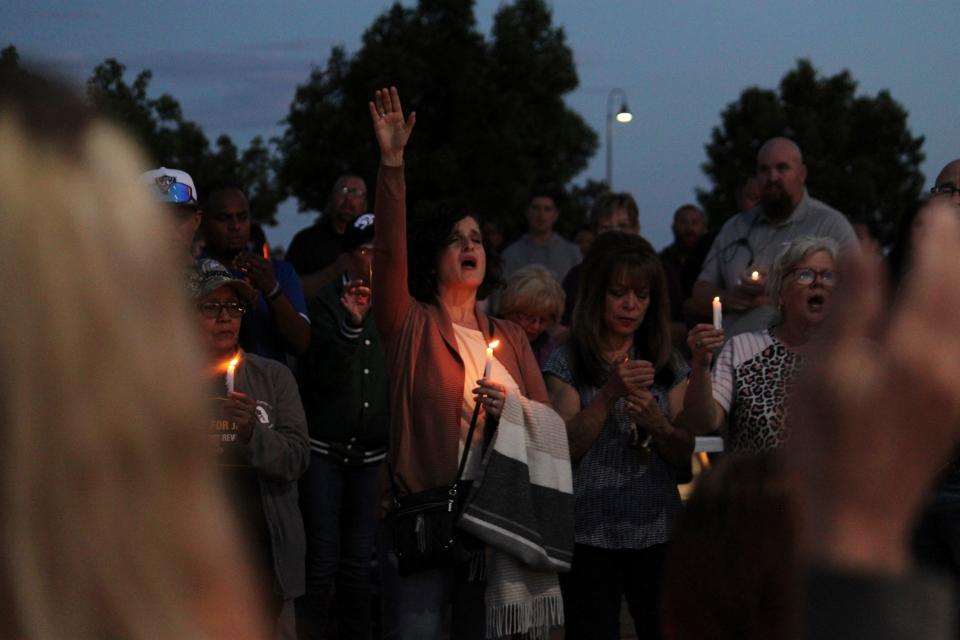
(176, 192)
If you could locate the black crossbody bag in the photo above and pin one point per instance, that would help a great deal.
(425, 534)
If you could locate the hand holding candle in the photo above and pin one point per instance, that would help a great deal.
(717, 314)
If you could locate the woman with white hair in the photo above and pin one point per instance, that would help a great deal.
(754, 371)
(534, 300)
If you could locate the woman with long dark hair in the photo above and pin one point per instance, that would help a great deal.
(620, 388)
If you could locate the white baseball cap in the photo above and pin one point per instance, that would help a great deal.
(171, 185)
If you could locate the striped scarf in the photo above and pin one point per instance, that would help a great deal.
(522, 507)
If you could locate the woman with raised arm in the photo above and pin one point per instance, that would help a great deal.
(435, 339)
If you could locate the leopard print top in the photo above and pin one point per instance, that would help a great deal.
(754, 376)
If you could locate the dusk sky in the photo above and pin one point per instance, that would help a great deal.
(234, 67)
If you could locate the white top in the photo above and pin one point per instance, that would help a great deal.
(473, 351)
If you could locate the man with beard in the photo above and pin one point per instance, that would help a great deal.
(737, 263)
(315, 252)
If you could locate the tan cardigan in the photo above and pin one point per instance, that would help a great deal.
(426, 371)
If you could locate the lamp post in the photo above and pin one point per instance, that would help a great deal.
(624, 116)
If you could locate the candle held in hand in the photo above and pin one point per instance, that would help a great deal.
(755, 276)
(231, 371)
(487, 368)
(717, 314)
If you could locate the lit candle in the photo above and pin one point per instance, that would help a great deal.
(755, 276)
(717, 314)
(231, 371)
(490, 347)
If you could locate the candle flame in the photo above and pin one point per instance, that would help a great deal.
(228, 365)
(266, 251)
(494, 344)
(717, 299)
(755, 275)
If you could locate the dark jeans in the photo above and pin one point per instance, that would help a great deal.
(414, 606)
(339, 506)
(600, 578)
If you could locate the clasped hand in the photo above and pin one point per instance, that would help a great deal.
(643, 409)
(630, 376)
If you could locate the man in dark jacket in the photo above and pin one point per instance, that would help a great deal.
(343, 383)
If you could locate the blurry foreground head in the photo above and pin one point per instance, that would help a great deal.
(111, 517)
(733, 566)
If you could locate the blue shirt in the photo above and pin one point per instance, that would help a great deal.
(620, 501)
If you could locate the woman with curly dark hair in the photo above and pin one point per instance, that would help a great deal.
(427, 286)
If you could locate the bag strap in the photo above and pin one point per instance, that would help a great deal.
(466, 447)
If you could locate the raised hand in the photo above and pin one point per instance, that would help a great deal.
(356, 301)
(258, 269)
(877, 412)
(391, 129)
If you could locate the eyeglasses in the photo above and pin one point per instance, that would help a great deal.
(523, 318)
(808, 276)
(351, 192)
(212, 309)
(946, 189)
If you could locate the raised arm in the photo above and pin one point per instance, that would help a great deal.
(391, 292)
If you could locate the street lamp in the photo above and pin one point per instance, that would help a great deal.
(624, 116)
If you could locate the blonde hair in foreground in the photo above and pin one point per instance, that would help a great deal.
(111, 516)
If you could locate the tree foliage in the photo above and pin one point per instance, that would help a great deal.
(492, 125)
(173, 141)
(860, 154)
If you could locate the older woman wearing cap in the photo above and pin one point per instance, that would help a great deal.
(264, 451)
(344, 386)
(755, 370)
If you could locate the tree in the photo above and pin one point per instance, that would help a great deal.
(860, 154)
(173, 141)
(491, 122)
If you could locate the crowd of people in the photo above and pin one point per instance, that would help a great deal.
(239, 457)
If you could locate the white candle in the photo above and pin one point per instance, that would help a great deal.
(755, 276)
(717, 314)
(489, 365)
(231, 371)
